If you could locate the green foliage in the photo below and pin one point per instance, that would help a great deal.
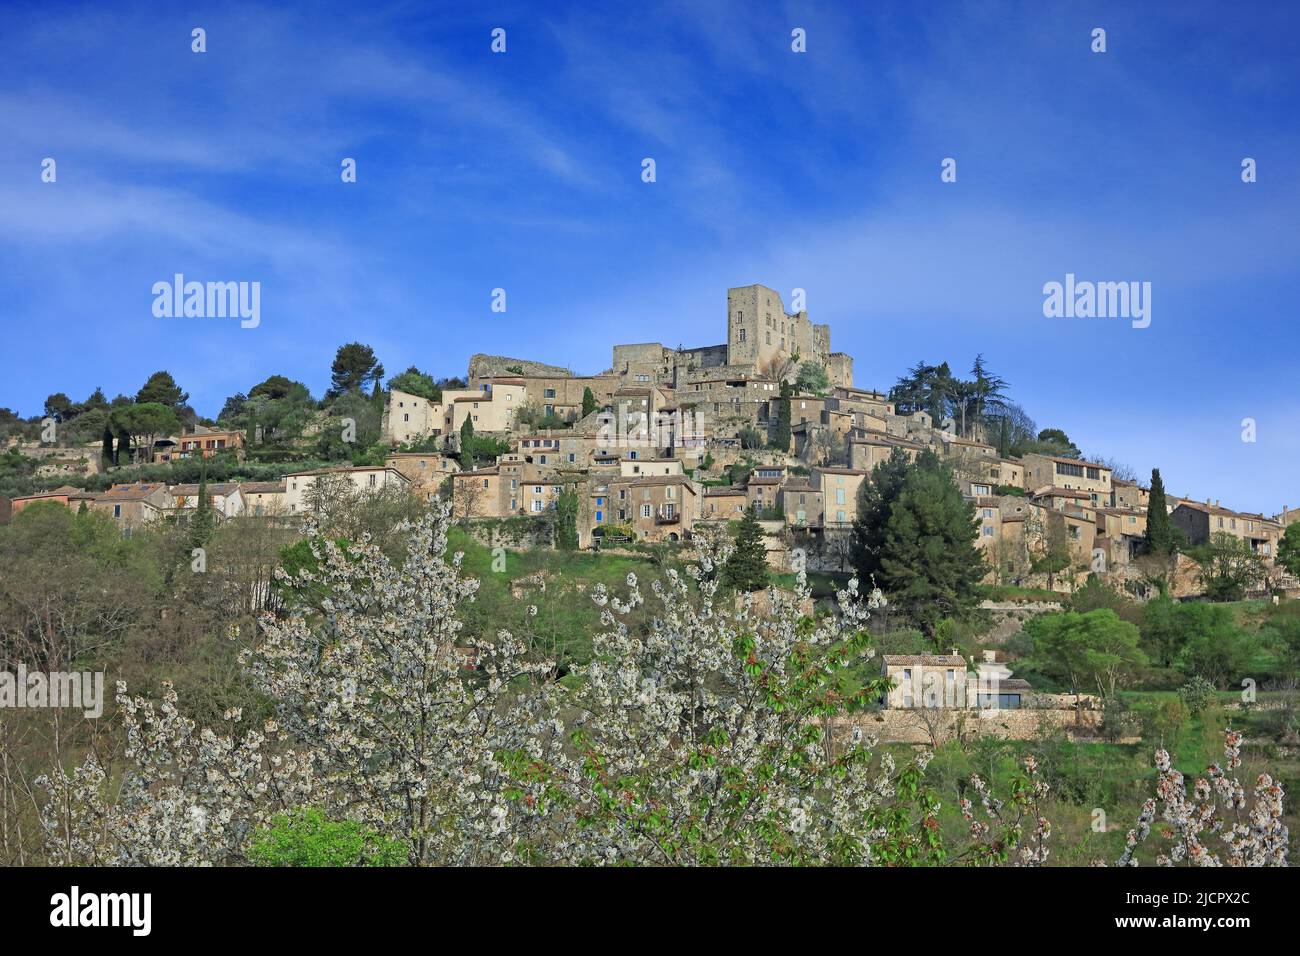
(308, 838)
(203, 521)
(1197, 694)
(1159, 538)
(1082, 651)
(147, 421)
(812, 379)
(1288, 549)
(162, 389)
(354, 365)
(1229, 568)
(566, 519)
(751, 437)
(589, 403)
(914, 538)
(746, 569)
(782, 440)
(415, 382)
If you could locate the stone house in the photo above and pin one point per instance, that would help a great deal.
(203, 442)
(1199, 522)
(365, 478)
(133, 505)
(723, 503)
(425, 470)
(66, 495)
(264, 498)
(839, 491)
(1070, 473)
(801, 500)
(658, 508)
(224, 495)
(411, 418)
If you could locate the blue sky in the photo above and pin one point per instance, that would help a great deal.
(816, 170)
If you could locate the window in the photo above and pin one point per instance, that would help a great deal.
(548, 393)
(647, 511)
(117, 511)
(1069, 469)
(372, 480)
(742, 334)
(839, 496)
(1094, 474)
(485, 482)
(988, 531)
(537, 489)
(539, 505)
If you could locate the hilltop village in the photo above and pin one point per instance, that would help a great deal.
(667, 439)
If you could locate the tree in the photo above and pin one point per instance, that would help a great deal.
(812, 379)
(986, 397)
(782, 441)
(146, 421)
(566, 519)
(58, 406)
(1093, 649)
(914, 538)
(1229, 568)
(106, 447)
(354, 365)
(467, 442)
(746, 568)
(750, 437)
(589, 403)
(162, 389)
(1159, 538)
(1054, 542)
(1288, 549)
(203, 522)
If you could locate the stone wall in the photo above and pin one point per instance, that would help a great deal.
(925, 726)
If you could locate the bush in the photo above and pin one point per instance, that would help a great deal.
(1196, 695)
(307, 838)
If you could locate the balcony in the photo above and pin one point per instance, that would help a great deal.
(674, 518)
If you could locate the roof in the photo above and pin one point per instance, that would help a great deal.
(216, 488)
(723, 490)
(263, 487)
(345, 469)
(928, 660)
(136, 492)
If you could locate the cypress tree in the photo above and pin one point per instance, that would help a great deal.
(106, 447)
(202, 524)
(746, 569)
(588, 402)
(1159, 538)
(467, 441)
(783, 418)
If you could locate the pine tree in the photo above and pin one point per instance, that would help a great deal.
(914, 538)
(1159, 538)
(746, 569)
